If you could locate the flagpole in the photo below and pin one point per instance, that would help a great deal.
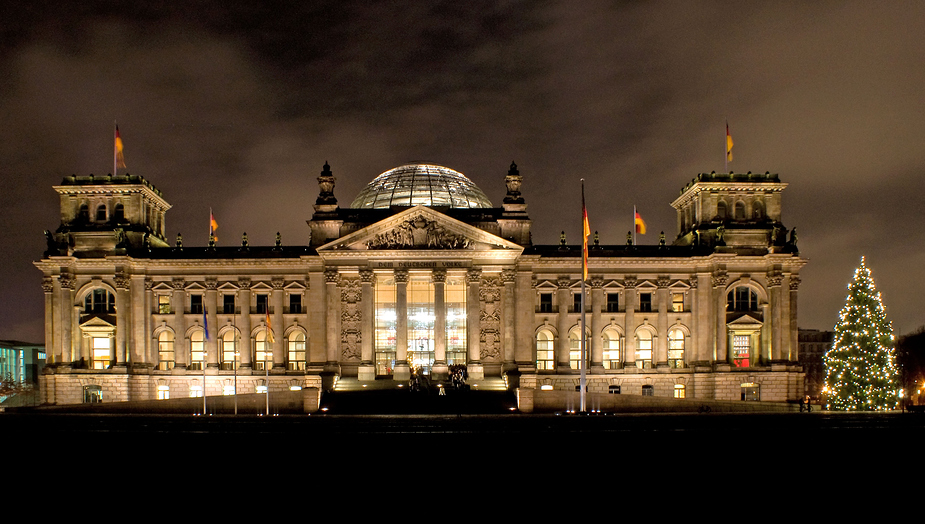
(634, 224)
(584, 276)
(726, 148)
(115, 149)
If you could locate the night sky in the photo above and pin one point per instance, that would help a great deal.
(238, 107)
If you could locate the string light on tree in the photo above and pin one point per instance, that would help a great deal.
(861, 371)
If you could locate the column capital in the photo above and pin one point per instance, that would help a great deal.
(48, 284)
(597, 282)
(149, 284)
(211, 283)
(366, 275)
(719, 278)
(663, 281)
(401, 276)
(178, 283)
(277, 282)
(330, 275)
(438, 275)
(121, 279)
(794, 282)
(630, 281)
(563, 282)
(474, 275)
(507, 275)
(693, 281)
(774, 278)
(244, 283)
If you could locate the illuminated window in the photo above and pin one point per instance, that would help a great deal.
(574, 341)
(680, 391)
(456, 332)
(197, 350)
(750, 391)
(386, 325)
(163, 304)
(101, 352)
(163, 392)
(677, 302)
(545, 352)
(166, 356)
(741, 344)
(263, 359)
(742, 298)
(644, 349)
(612, 341)
(296, 356)
(93, 394)
(421, 318)
(228, 389)
(227, 346)
(261, 387)
(676, 348)
(195, 391)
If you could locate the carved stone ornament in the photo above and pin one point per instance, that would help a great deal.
(794, 283)
(693, 282)
(278, 282)
(178, 283)
(330, 275)
(350, 319)
(48, 285)
(630, 281)
(418, 232)
(211, 283)
(490, 319)
(149, 284)
(662, 281)
(719, 278)
(244, 283)
(507, 276)
(438, 276)
(366, 275)
(774, 278)
(597, 282)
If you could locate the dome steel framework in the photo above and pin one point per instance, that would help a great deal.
(421, 184)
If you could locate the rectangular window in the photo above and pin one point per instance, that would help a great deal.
(740, 347)
(101, 354)
(545, 302)
(455, 300)
(262, 301)
(163, 304)
(677, 302)
(576, 303)
(228, 304)
(295, 303)
(751, 391)
(195, 304)
(163, 392)
(613, 302)
(645, 302)
(679, 391)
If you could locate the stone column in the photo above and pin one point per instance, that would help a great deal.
(597, 342)
(473, 323)
(525, 343)
(123, 305)
(367, 369)
(508, 319)
(661, 350)
(794, 330)
(52, 348)
(210, 303)
(629, 298)
(178, 306)
(142, 339)
(278, 346)
(777, 335)
(720, 339)
(244, 323)
(440, 368)
(401, 371)
(563, 301)
(332, 315)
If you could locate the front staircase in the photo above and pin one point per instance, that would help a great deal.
(385, 396)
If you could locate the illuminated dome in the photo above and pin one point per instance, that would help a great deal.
(415, 184)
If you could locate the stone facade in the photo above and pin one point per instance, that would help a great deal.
(384, 292)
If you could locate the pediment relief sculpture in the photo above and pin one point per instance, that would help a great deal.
(418, 232)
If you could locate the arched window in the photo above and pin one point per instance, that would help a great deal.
(676, 348)
(100, 301)
(740, 210)
(545, 351)
(197, 350)
(742, 298)
(296, 356)
(101, 213)
(574, 349)
(721, 210)
(757, 211)
(118, 214)
(227, 347)
(611, 348)
(262, 358)
(644, 349)
(166, 357)
(83, 214)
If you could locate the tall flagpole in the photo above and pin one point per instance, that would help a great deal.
(115, 149)
(582, 382)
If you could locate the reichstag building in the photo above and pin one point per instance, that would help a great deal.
(420, 274)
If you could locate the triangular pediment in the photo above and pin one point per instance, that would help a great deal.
(420, 228)
(746, 321)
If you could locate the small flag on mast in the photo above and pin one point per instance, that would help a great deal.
(120, 159)
(728, 144)
(586, 230)
(213, 225)
(640, 223)
(205, 323)
(270, 338)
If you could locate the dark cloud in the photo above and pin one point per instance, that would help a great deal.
(237, 107)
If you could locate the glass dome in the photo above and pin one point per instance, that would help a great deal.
(415, 184)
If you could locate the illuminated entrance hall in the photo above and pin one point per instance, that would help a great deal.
(420, 321)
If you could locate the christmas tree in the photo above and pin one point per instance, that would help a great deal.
(861, 371)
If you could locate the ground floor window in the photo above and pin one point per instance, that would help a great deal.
(163, 392)
(751, 391)
(648, 390)
(93, 394)
(195, 391)
(680, 391)
(741, 344)
(296, 356)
